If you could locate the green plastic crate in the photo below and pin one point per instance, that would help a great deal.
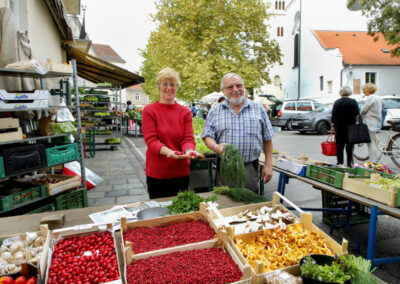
(70, 200)
(10, 201)
(359, 213)
(2, 172)
(62, 154)
(334, 176)
(46, 208)
(198, 165)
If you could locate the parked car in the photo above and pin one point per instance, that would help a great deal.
(287, 110)
(392, 106)
(318, 120)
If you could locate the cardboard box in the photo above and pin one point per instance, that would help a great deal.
(37, 99)
(11, 136)
(9, 122)
(292, 167)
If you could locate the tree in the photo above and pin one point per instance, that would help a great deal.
(384, 17)
(205, 39)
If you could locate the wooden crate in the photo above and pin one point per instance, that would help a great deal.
(200, 215)
(81, 230)
(42, 264)
(258, 274)
(219, 218)
(358, 186)
(67, 183)
(220, 242)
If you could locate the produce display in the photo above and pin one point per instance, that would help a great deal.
(260, 219)
(84, 259)
(240, 194)
(384, 183)
(90, 99)
(16, 250)
(384, 168)
(279, 248)
(62, 127)
(342, 269)
(102, 132)
(45, 180)
(112, 141)
(18, 280)
(145, 239)
(101, 114)
(280, 277)
(201, 147)
(187, 201)
(209, 265)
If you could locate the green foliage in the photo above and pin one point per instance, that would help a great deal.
(384, 17)
(62, 127)
(112, 141)
(101, 114)
(232, 169)
(203, 40)
(187, 201)
(240, 195)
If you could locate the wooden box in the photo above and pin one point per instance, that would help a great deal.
(258, 274)
(220, 242)
(220, 218)
(42, 264)
(8, 122)
(67, 183)
(359, 186)
(81, 230)
(200, 215)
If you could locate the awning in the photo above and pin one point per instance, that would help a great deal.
(97, 70)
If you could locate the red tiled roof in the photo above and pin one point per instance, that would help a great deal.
(135, 87)
(357, 48)
(105, 52)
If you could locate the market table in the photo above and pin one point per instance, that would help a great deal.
(377, 208)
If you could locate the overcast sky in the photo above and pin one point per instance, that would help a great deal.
(125, 25)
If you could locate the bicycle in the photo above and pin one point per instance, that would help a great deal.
(390, 148)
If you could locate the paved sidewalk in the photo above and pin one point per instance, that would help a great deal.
(123, 174)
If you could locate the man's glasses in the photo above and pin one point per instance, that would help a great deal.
(231, 87)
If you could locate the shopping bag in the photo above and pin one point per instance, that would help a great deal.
(329, 146)
(358, 133)
(74, 169)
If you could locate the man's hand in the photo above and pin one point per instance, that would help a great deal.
(219, 148)
(266, 173)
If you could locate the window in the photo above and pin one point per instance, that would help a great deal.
(317, 105)
(290, 106)
(304, 106)
(276, 5)
(278, 31)
(281, 31)
(330, 87)
(321, 83)
(283, 5)
(279, 5)
(137, 96)
(296, 50)
(370, 77)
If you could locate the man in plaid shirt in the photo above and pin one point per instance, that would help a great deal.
(243, 123)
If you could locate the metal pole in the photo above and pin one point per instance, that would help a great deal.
(299, 55)
(120, 114)
(78, 124)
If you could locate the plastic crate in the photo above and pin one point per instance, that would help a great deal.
(70, 200)
(198, 165)
(46, 208)
(359, 213)
(62, 154)
(9, 201)
(2, 172)
(20, 158)
(334, 176)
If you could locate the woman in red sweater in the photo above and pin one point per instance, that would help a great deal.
(168, 133)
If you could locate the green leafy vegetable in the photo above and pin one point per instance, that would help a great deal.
(112, 141)
(201, 146)
(187, 201)
(240, 194)
(232, 167)
(101, 114)
(62, 127)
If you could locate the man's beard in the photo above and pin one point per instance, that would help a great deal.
(235, 101)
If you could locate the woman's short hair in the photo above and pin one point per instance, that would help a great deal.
(168, 74)
(369, 88)
(345, 91)
(128, 102)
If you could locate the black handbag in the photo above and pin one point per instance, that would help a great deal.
(358, 133)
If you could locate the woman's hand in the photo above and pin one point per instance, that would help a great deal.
(177, 155)
(194, 155)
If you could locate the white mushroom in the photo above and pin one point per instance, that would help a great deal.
(6, 256)
(3, 248)
(31, 237)
(16, 246)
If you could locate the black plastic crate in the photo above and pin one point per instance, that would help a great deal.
(19, 158)
(359, 213)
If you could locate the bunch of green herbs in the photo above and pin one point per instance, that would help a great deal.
(232, 167)
(240, 195)
(187, 201)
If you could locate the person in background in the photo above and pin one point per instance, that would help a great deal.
(221, 99)
(203, 112)
(372, 117)
(344, 113)
(168, 133)
(129, 107)
(244, 124)
(193, 110)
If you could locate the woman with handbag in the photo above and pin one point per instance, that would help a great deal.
(372, 116)
(344, 113)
